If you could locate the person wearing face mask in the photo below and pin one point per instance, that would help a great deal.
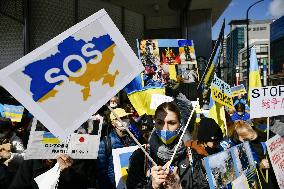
(114, 101)
(209, 136)
(186, 170)
(240, 113)
(118, 138)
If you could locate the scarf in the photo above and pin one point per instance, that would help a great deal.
(165, 152)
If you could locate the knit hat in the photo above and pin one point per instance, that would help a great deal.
(5, 123)
(209, 130)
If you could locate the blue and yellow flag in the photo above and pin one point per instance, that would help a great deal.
(49, 138)
(254, 74)
(140, 96)
(217, 112)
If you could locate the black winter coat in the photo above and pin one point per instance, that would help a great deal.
(80, 175)
(195, 179)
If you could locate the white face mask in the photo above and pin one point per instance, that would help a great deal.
(113, 105)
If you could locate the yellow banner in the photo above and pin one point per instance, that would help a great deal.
(221, 98)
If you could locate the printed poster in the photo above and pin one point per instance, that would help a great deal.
(121, 163)
(66, 80)
(225, 167)
(157, 54)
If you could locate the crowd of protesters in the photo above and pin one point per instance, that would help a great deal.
(159, 134)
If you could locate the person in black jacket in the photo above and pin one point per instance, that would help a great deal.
(188, 171)
(74, 173)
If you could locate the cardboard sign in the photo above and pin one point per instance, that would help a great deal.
(15, 113)
(44, 145)
(238, 90)
(121, 162)
(225, 167)
(275, 147)
(221, 92)
(158, 99)
(267, 101)
(66, 80)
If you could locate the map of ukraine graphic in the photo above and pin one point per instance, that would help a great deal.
(42, 90)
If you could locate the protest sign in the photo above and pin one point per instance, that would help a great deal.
(267, 101)
(221, 92)
(158, 99)
(157, 54)
(66, 80)
(275, 147)
(166, 51)
(225, 167)
(121, 162)
(238, 90)
(44, 145)
(15, 113)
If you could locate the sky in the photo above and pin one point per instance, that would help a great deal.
(268, 9)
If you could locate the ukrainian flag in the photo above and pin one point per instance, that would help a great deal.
(217, 112)
(124, 164)
(254, 74)
(49, 138)
(140, 96)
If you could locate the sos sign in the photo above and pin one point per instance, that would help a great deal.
(51, 76)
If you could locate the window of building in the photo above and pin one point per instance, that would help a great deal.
(264, 49)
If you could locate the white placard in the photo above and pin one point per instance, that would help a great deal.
(267, 101)
(44, 145)
(275, 147)
(158, 99)
(79, 146)
(121, 162)
(66, 80)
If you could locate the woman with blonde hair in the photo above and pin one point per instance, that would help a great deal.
(244, 132)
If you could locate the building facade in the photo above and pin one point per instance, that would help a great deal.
(259, 36)
(134, 18)
(262, 53)
(277, 52)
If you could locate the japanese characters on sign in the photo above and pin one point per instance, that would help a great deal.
(275, 147)
(267, 101)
